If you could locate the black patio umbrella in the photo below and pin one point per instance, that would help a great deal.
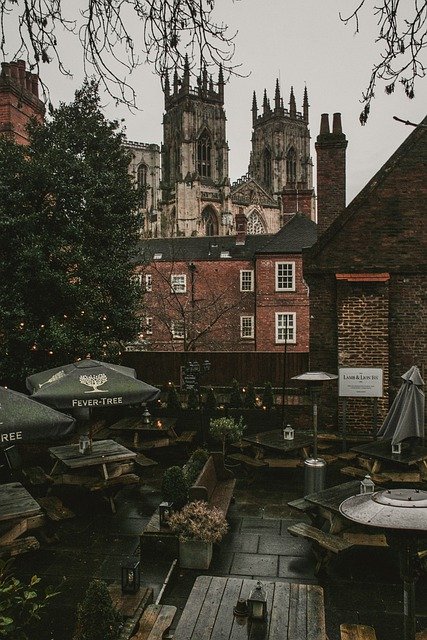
(25, 420)
(90, 384)
(406, 416)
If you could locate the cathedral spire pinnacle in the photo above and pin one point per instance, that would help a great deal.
(305, 105)
(292, 104)
(254, 109)
(221, 84)
(166, 89)
(205, 80)
(265, 103)
(186, 76)
(175, 81)
(277, 96)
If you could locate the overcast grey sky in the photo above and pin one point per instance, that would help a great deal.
(302, 42)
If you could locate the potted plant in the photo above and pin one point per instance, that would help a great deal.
(96, 617)
(197, 526)
(226, 430)
(236, 400)
(250, 397)
(195, 464)
(211, 403)
(268, 396)
(173, 403)
(175, 487)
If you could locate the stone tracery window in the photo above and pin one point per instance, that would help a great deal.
(210, 221)
(266, 167)
(142, 183)
(255, 225)
(291, 166)
(204, 152)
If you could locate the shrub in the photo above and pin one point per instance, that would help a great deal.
(193, 399)
(226, 430)
(211, 401)
(250, 396)
(175, 486)
(96, 617)
(235, 395)
(195, 465)
(267, 396)
(173, 402)
(198, 521)
(20, 604)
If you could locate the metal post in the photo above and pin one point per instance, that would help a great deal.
(408, 549)
(314, 393)
(344, 424)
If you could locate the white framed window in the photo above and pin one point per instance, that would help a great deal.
(285, 327)
(178, 283)
(177, 330)
(136, 279)
(246, 280)
(225, 254)
(148, 282)
(157, 256)
(285, 276)
(247, 325)
(149, 325)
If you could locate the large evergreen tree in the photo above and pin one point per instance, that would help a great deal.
(67, 230)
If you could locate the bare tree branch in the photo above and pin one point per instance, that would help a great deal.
(402, 32)
(117, 36)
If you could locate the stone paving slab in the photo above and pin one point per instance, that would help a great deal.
(249, 564)
(296, 567)
(285, 545)
(256, 525)
(245, 542)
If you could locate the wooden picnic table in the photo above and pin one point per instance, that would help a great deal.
(294, 611)
(19, 513)
(109, 464)
(267, 443)
(159, 432)
(380, 458)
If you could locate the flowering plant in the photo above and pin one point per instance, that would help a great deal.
(198, 521)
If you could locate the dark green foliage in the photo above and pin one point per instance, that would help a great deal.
(235, 395)
(173, 402)
(193, 399)
(211, 401)
(96, 616)
(67, 232)
(175, 486)
(250, 397)
(195, 464)
(267, 396)
(226, 430)
(21, 605)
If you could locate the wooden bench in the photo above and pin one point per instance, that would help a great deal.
(301, 504)
(248, 460)
(18, 546)
(214, 484)
(186, 437)
(154, 622)
(357, 632)
(326, 544)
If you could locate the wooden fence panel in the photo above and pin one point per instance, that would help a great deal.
(258, 367)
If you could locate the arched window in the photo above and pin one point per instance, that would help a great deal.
(291, 166)
(266, 167)
(204, 151)
(255, 225)
(210, 221)
(142, 183)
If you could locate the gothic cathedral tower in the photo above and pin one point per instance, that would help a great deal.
(280, 159)
(195, 182)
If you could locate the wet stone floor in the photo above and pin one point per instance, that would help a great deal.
(360, 585)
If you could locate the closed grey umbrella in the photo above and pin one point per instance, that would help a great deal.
(89, 384)
(406, 416)
(25, 420)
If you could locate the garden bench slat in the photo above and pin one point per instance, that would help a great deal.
(357, 632)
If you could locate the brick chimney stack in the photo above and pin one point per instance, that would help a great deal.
(331, 171)
(19, 100)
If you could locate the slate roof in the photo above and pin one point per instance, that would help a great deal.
(296, 234)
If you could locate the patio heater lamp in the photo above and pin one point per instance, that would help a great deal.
(403, 514)
(131, 576)
(314, 477)
(257, 603)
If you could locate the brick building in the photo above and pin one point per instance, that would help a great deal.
(227, 293)
(367, 270)
(19, 100)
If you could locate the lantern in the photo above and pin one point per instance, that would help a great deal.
(396, 448)
(288, 433)
(146, 417)
(366, 485)
(84, 444)
(165, 510)
(257, 603)
(131, 576)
